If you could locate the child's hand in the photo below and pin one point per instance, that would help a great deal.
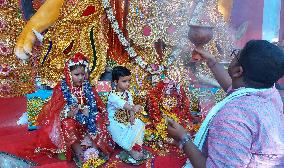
(73, 111)
(132, 118)
(86, 111)
(137, 108)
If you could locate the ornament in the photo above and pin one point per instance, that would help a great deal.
(5, 88)
(5, 69)
(3, 3)
(91, 153)
(4, 48)
(3, 24)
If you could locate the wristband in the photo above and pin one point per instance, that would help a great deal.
(185, 138)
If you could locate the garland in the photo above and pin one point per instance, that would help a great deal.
(157, 111)
(93, 162)
(91, 102)
(152, 69)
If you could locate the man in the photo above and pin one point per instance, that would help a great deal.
(246, 129)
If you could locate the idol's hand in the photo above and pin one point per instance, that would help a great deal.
(175, 130)
(40, 21)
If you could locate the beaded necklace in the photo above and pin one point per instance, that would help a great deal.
(71, 99)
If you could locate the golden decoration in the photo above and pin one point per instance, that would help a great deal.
(34, 106)
(93, 163)
(122, 116)
(167, 21)
(20, 80)
(74, 29)
(220, 95)
(168, 103)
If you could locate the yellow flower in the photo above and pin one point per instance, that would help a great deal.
(93, 163)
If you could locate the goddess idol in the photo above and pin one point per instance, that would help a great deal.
(149, 35)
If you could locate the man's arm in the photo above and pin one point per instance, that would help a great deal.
(194, 155)
(192, 152)
(229, 140)
(218, 70)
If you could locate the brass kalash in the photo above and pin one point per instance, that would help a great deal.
(199, 36)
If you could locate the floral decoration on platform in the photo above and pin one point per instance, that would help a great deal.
(34, 106)
(163, 105)
(92, 158)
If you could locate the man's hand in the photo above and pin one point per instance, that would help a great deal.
(175, 130)
(205, 55)
(218, 70)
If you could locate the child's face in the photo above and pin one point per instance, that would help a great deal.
(78, 76)
(123, 83)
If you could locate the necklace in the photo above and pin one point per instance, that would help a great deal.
(78, 93)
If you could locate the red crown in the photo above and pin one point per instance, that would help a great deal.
(78, 59)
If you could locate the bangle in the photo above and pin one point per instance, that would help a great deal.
(211, 65)
(185, 138)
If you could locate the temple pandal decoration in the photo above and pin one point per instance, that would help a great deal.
(16, 77)
(156, 34)
(149, 37)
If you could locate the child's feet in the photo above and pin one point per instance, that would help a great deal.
(80, 157)
(137, 155)
(78, 152)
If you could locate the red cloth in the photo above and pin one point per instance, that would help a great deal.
(115, 49)
(64, 133)
(18, 141)
(23, 143)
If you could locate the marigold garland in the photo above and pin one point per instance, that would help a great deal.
(93, 162)
(180, 113)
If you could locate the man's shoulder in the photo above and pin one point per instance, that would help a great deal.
(241, 109)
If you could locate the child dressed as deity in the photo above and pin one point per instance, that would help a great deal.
(75, 116)
(126, 130)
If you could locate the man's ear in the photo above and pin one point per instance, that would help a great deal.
(237, 72)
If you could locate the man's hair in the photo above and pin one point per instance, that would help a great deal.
(262, 63)
(119, 71)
